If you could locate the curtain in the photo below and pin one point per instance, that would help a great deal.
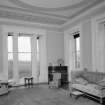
(34, 57)
(72, 52)
(100, 49)
(69, 53)
(43, 59)
(5, 57)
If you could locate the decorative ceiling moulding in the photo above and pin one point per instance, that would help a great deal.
(19, 23)
(30, 18)
(86, 8)
(33, 12)
(90, 13)
(51, 3)
(31, 7)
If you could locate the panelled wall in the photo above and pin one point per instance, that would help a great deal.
(86, 44)
(1, 59)
(55, 46)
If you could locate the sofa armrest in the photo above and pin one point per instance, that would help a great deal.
(102, 87)
(102, 91)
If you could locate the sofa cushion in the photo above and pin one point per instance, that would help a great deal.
(101, 82)
(75, 74)
(81, 80)
(94, 85)
(89, 88)
(90, 76)
(93, 77)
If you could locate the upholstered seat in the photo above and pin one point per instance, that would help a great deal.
(56, 82)
(90, 83)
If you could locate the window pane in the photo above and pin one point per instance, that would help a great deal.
(10, 43)
(37, 45)
(10, 56)
(10, 69)
(24, 68)
(77, 53)
(24, 57)
(24, 44)
(78, 59)
(38, 50)
(78, 44)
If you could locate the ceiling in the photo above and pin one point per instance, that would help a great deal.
(54, 12)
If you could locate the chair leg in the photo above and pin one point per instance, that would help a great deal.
(101, 101)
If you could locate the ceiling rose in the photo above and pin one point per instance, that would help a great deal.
(50, 5)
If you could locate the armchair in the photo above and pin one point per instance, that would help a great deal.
(56, 82)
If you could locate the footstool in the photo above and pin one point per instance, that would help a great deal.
(77, 94)
(28, 81)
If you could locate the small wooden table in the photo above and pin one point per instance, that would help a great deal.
(77, 94)
(28, 81)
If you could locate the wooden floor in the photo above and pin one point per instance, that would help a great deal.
(41, 95)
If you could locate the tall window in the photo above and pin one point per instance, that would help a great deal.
(77, 50)
(10, 56)
(24, 56)
(38, 49)
(38, 61)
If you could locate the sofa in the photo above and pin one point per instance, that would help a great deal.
(90, 83)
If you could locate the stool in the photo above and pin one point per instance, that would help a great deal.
(28, 81)
(77, 94)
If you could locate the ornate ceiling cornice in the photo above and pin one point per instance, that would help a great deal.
(86, 8)
(34, 12)
(30, 18)
(31, 7)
